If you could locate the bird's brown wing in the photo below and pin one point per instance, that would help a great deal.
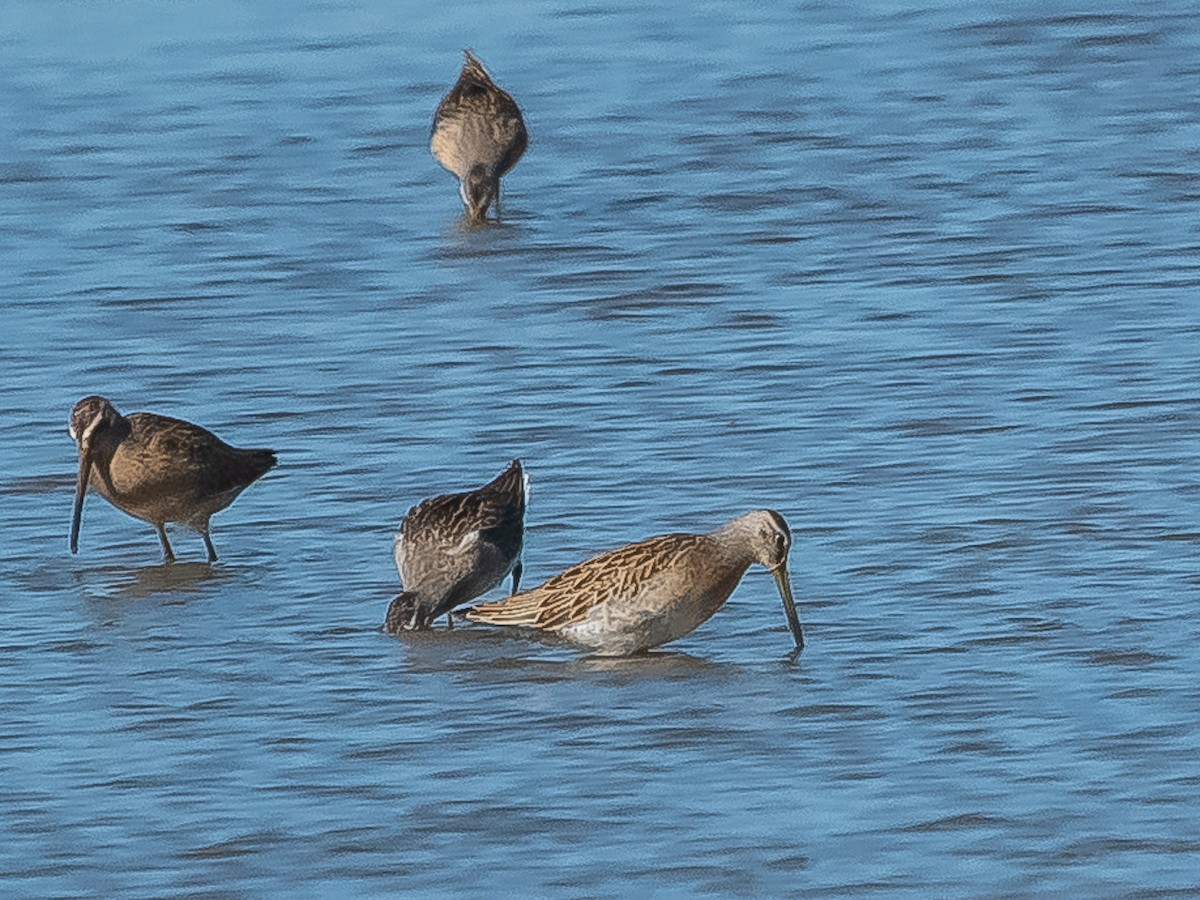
(464, 532)
(495, 135)
(569, 597)
(447, 519)
(169, 451)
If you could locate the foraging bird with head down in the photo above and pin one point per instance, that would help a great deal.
(452, 548)
(478, 134)
(158, 469)
(643, 595)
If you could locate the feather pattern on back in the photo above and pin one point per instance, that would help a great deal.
(454, 547)
(158, 468)
(477, 123)
(187, 459)
(643, 595)
(570, 596)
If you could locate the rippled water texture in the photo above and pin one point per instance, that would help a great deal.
(923, 278)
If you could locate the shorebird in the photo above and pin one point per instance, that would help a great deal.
(452, 548)
(642, 595)
(478, 134)
(158, 469)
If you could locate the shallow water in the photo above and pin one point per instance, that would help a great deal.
(922, 278)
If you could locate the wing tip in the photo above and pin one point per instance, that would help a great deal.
(503, 612)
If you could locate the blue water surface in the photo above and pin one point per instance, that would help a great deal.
(921, 277)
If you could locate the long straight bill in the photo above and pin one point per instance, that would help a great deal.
(81, 486)
(789, 604)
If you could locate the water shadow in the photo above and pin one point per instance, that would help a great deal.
(34, 485)
(468, 240)
(535, 655)
(171, 578)
(174, 579)
(656, 664)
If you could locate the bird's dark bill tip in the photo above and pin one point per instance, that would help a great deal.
(783, 582)
(81, 486)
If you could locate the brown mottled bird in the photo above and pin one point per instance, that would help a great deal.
(452, 548)
(478, 134)
(158, 469)
(642, 595)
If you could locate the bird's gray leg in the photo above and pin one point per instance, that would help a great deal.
(168, 555)
(208, 545)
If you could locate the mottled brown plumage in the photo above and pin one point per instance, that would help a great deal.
(478, 134)
(158, 469)
(452, 548)
(646, 594)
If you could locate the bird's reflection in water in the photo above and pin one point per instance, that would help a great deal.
(653, 664)
(537, 656)
(171, 578)
(792, 660)
(168, 581)
(467, 647)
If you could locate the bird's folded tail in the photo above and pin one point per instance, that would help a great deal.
(473, 69)
(519, 609)
(234, 470)
(512, 482)
(264, 460)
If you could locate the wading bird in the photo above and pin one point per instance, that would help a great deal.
(643, 595)
(452, 548)
(158, 469)
(478, 134)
